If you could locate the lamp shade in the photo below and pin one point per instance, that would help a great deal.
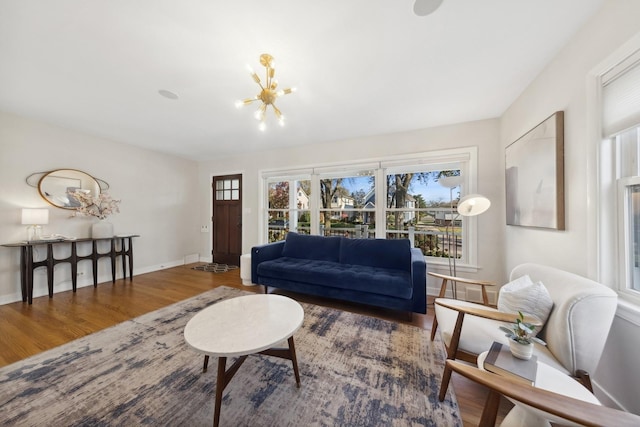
(35, 216)
(450, 181)
(473, 204)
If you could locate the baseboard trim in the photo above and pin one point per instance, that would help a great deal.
(41, 289)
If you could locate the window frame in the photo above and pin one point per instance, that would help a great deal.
(603, 235)
(625, 267)
(463, 158)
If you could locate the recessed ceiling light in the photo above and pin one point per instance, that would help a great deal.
(425, 7)
(168, 94)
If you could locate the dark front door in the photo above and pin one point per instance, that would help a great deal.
(227, 219)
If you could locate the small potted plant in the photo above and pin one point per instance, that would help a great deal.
(521, 338)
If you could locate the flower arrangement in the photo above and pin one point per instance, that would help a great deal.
(522, 332)
(100, 206)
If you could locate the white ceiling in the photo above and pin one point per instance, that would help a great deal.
(361, 67)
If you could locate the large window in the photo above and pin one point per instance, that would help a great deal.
(619, 176)
(392, 199)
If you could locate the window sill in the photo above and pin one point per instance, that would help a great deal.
(441, 265)
(628, 311)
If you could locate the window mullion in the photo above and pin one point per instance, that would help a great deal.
(381, 203)
(316, 204)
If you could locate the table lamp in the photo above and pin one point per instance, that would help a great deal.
(35, 218)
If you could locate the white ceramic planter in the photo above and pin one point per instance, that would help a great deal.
(521, 351)
(101, 230)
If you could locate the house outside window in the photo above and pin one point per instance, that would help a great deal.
(287, 210)
(429, 219)
(343, 208)
(391, 199)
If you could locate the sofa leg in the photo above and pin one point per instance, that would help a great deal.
(266, 289)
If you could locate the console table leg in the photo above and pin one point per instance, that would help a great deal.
(94, 262)
(123, 253)
(112, 253)
(74, 266)
(23, 274)
(130, 250)
(50, 269)
(29, 274)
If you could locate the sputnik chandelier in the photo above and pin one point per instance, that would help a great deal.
(268, 93)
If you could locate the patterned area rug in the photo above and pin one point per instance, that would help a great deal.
(214, 267)
(355, 371)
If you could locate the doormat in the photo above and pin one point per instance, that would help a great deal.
(215, 267)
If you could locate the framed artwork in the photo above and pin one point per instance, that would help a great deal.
(534, 174)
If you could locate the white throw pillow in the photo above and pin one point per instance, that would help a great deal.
(524, 295)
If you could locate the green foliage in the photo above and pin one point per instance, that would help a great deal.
(521, 331)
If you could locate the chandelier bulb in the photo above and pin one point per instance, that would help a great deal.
(262, 126)
(239, 104)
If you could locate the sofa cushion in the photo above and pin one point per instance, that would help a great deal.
(383, 281)
(522, 294)
(383, 253)
(304, 246)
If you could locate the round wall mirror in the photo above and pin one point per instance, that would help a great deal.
(57, 187)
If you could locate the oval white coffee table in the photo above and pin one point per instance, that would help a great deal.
(241, 326)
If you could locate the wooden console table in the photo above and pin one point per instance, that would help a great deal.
(28, 264)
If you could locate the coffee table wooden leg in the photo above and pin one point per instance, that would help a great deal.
(222, 381)
(220, 385)
(286, 353)
(206, 364)
(294, 360)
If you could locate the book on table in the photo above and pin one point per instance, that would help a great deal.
(500, 361)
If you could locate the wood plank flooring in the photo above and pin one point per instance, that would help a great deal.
(26, 330)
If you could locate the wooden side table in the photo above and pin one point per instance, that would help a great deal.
(28, 264)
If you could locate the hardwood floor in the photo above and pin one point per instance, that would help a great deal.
(26, 330)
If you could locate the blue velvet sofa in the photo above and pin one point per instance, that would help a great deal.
(377, 272)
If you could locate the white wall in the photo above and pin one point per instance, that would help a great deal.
(483, 134)
(158, 193)
(563, 86)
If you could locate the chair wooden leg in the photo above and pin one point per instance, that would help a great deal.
(452, 350)
(585, 379)
(490, 412)
(434, 327)
(444, 386)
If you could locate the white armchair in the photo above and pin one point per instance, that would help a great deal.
(575, 331)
